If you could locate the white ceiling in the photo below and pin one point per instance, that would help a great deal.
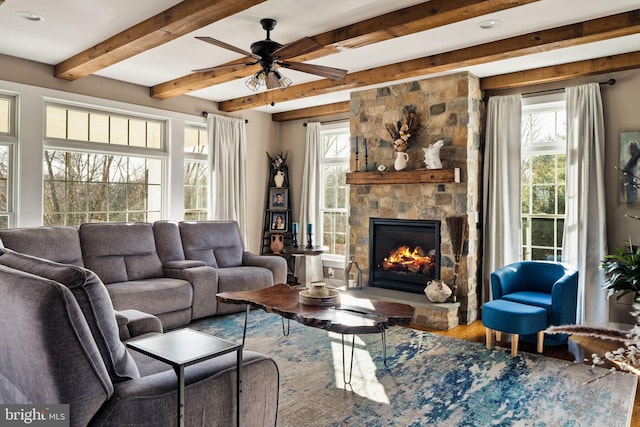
(71, 26)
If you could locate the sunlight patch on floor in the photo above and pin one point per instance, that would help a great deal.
(363, 378)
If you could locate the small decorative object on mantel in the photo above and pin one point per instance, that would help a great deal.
(401, 132)
(437, 291)
(432, 155)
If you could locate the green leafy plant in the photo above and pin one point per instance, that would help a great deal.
(623, 272)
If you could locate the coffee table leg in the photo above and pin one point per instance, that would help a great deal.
(286, 333)
(244, 332)
(384, 346)
(344, 369)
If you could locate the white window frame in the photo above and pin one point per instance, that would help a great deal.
(541, 104)
(10, 140)
(70, 145)
(192, 157)
(334, 260)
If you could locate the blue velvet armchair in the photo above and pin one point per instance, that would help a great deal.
(550, 285)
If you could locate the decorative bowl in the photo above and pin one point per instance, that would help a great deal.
(332, 299)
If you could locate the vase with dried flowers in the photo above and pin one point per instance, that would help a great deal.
(401, 133)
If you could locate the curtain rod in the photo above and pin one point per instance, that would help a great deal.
(609, 82)
(328, 121)
(205, 113)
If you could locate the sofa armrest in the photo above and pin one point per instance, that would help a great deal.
(182, 264)
(277, 265)
(133, 323)
(151, 400)
(564, 299)
(505, 280)
(204, 281)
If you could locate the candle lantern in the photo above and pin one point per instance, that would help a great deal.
(353, 274)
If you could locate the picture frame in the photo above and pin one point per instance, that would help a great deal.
(629, 181)
(278, 199)
(278, 221)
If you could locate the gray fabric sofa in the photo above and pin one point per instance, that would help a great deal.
(168, 269)
(61, 344)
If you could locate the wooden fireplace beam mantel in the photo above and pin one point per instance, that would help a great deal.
(430, 176)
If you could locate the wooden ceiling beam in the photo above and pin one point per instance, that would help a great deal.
(399, 23)
(562, 72)
(319, 111)
(618, 25)
(183, 18)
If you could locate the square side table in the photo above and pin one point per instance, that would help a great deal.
(186, 347)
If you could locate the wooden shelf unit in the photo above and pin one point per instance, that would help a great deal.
(430, 176)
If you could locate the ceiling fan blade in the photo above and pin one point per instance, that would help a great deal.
(272, 81)
(227, 46)
(297, 48)
(319, 70)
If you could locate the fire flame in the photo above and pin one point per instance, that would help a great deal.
(404, 258)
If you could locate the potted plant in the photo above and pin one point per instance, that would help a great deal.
(622, 271)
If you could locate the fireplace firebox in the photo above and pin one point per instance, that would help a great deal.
(403, 254)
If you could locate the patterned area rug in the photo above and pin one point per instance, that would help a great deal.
(429, 380)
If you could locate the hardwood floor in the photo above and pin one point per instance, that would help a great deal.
(578, 348)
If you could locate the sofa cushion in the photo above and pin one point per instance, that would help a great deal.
(118, 252)
(94, 302)
(153, 296)
(217, 243)
(59, 244)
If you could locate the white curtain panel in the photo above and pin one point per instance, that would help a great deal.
(502, 241)
(228, 166)
(585, 235)
(310, 199)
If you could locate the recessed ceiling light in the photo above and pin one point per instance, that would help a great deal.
(30, 16)
(489, 23)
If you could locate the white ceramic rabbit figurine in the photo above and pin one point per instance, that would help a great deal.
(432, 155)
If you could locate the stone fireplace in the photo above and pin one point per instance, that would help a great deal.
(403, 253)
(449, 109)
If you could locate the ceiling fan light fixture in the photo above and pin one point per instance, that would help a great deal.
(258, 79)
(271, 79)
(283, 81)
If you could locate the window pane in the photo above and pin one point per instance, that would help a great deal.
(118, 131)
(137, 133)
(4, 178)
(98, 127)
(56, 122)
(542, 232)
(154, 135)
(5, 108)
(78, 123)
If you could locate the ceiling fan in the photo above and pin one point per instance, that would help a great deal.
(269, 54)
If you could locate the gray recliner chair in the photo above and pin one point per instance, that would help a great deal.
(61, 344)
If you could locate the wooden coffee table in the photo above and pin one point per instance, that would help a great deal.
(352, 316)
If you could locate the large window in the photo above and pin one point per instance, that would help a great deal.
(195, 173)
(8, 140)
(544, 140)
(334, 165)
(100, 166)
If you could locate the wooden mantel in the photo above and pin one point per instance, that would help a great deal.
(432, 176)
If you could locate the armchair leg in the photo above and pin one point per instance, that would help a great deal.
(498, 336)
(540, 341)
(514, 344)
(489, 335)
